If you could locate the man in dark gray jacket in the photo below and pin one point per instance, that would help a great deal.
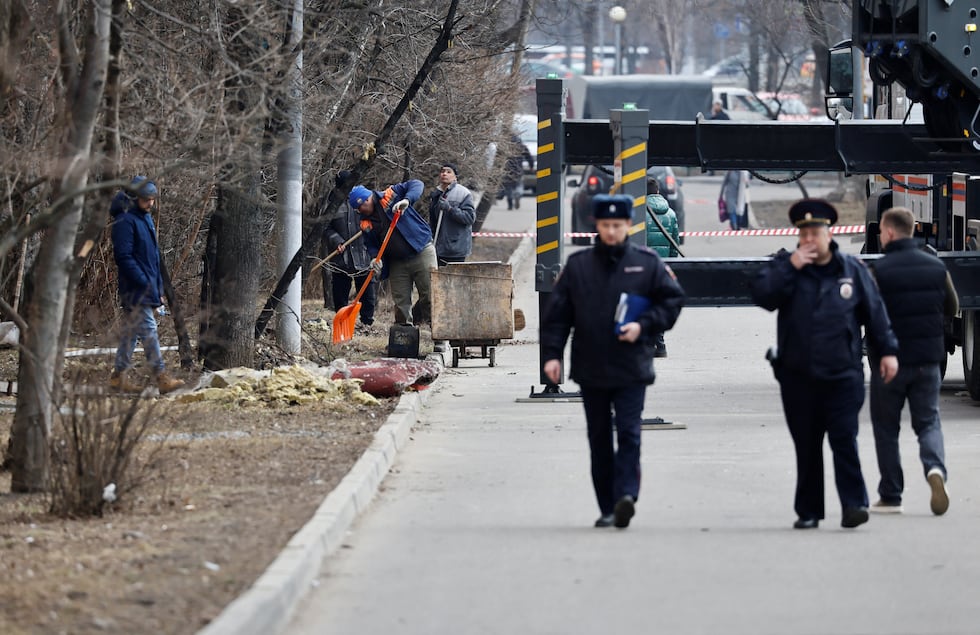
(451, 216)
(918, 293)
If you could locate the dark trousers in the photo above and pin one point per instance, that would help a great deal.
(920, 385)
(615, 470)
(340, 285)
(814, 408)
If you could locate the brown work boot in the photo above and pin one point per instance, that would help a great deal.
(167, 383)
(120, 381)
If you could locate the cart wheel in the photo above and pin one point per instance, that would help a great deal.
(493, 355)
(455, 357)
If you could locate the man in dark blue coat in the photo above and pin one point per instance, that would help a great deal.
(824, 297)
(613, 365)
(919, 293)
(134, 247)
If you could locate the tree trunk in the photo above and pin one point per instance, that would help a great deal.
(52, 298)
(234, 280)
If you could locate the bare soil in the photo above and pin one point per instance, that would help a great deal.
(226, 487)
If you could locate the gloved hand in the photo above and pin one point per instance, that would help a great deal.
(444, 205)
(376, 266)
(401, 205)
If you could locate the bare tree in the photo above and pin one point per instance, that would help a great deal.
(83, 78)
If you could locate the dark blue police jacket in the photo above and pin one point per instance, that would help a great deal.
(821, 314)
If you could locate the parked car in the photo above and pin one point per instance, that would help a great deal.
(526, 127)
(597, 179)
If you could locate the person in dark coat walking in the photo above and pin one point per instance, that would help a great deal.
(134, 248)
(919, 294)
(612, 364)
(824, 297)
(351, 267)
(513, 183)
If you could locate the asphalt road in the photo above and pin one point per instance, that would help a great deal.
(484, 525)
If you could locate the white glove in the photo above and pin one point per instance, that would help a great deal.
(376, 266)
(401, 205)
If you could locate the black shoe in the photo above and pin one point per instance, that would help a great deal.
(623, 511)
(806, 523)
(606, 520)
(660, 351)
(854, 516)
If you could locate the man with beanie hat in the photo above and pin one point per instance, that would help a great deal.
(612, 353)
(824, 297)
(351, 267)
(134, 248)
(410, 256)
(451, 216)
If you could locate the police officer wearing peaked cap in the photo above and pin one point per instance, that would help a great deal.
(823, 298)
(612, 366)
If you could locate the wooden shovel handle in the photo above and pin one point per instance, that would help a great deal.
(334, 253)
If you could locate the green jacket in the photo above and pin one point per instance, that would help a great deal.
(655, 238)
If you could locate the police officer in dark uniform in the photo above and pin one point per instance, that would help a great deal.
(613, 365)
(824, 297)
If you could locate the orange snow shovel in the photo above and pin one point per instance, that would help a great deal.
(343, 322)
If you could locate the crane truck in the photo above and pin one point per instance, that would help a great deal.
(923, 48)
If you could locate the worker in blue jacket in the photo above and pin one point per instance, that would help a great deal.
(410, 256)
(612, 364)
(824, 297)
(134, 247)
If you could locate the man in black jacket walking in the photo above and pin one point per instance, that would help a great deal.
(612, 364)
(918, 293)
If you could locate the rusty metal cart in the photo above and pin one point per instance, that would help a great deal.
(472, 307)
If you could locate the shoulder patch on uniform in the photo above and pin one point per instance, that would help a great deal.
(670, 272)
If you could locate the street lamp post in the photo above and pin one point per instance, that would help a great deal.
(618, 15)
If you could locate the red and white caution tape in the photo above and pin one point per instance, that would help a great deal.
(782, 231)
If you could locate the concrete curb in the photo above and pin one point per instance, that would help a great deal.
(268, 605)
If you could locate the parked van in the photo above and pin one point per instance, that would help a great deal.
(740, 103)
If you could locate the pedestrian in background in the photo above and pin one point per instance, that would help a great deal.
(718, 111)
(735, 195)
(410, 256)
(918, 294)
(662, 238)
(451, 216)
(613, 365)
(137, 257)
(351, 269)
(513, 183)
(824, 297)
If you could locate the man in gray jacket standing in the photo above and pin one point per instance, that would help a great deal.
(451, 216)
